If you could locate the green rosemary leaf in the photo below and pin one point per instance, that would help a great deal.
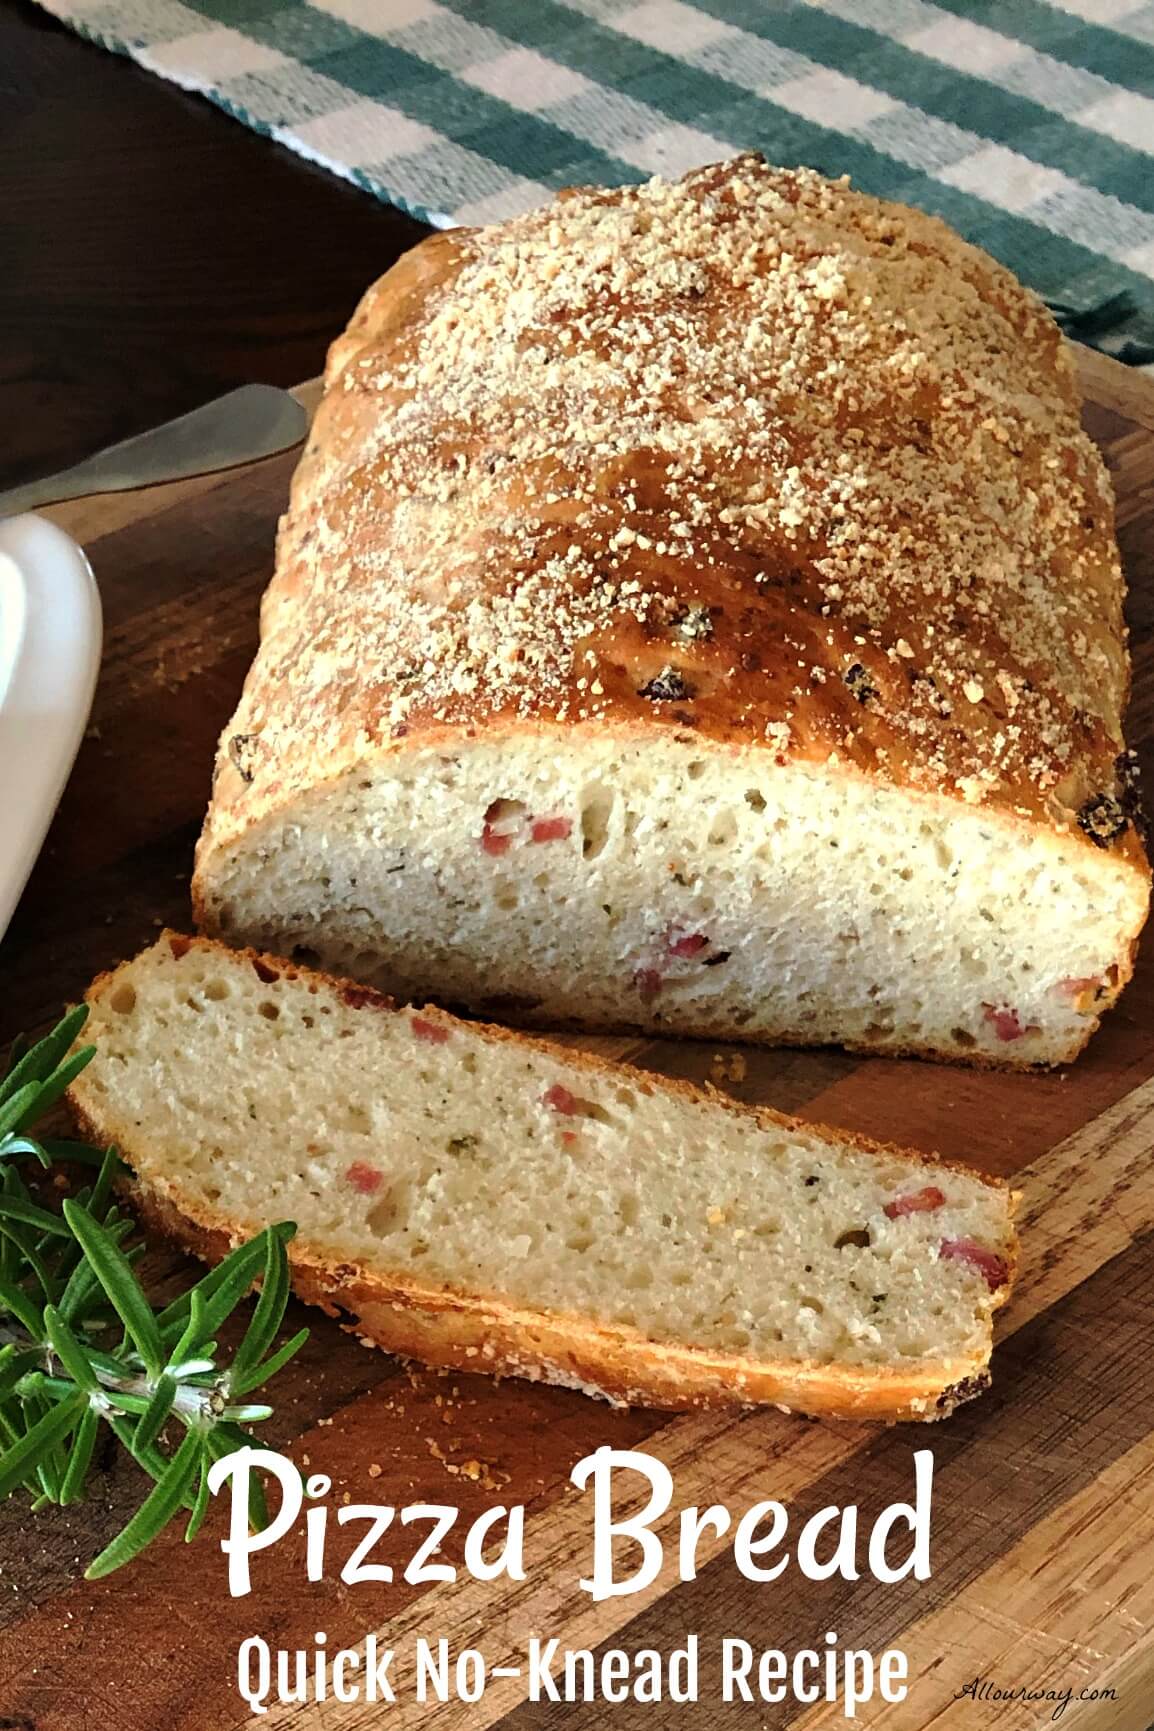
(69, 1351)
(52, 1090)
(83, 1293)
(41, 1382)
(34, 1410)
(51, 1465)
(39, 1061)
(236, 1275)
(200, 1506)
(114, 1272)
(28, 1214)
(29, 1254)
(13, 1424)
(250, 1256)
(126, 1401)
(13, 1146)
(197, 1372)
(10, 1417)
(17, 1303)
(268, 1314)
(59, 1383)
(261, 1373)
(110, 1166)
(154, 1513)
(16, 1053)
(80, 1459)
(193, 1335)
(151, 1459)
(15, 1363)
(14, 1108)
(158, 1409)
(79, 1153)
(25, 1454)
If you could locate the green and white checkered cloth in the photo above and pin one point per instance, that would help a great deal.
(1027, 124)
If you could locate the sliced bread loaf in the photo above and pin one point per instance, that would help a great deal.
(487, 1201)
(698, 610)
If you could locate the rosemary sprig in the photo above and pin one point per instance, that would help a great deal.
(81, 1343)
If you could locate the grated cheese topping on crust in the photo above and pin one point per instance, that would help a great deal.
(749, 455)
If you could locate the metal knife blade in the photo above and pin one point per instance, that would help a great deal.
(251, 422)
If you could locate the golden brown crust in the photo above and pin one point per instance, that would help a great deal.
(752, 457)
(477, 1332)
(461, 1331)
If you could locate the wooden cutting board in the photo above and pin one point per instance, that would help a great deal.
(1043, 1530)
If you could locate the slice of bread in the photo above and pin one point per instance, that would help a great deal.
(479, 1199)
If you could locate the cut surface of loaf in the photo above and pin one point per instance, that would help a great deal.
(698, 610)
(478, 1199)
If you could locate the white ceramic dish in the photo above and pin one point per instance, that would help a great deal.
(49, 656)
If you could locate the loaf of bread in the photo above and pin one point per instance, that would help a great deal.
(698, 610)
(483, 1200)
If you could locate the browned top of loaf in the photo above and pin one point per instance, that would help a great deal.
(749, 456)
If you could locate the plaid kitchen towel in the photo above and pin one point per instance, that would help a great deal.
(1027, 124)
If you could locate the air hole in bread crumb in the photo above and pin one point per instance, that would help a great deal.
(629, 1210)
(560, 1099)
(962, 1037)
(505, 811)
(723, 829)
(754, 799)
(856, 1239)
(696, 769)
(814, 1304)
(384, 1215)
(123, 1000)
(269, 1010)
(596, 809)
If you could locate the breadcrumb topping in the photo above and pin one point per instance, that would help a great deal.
(749, 453)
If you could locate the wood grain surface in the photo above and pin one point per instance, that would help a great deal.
(1043, 1533)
